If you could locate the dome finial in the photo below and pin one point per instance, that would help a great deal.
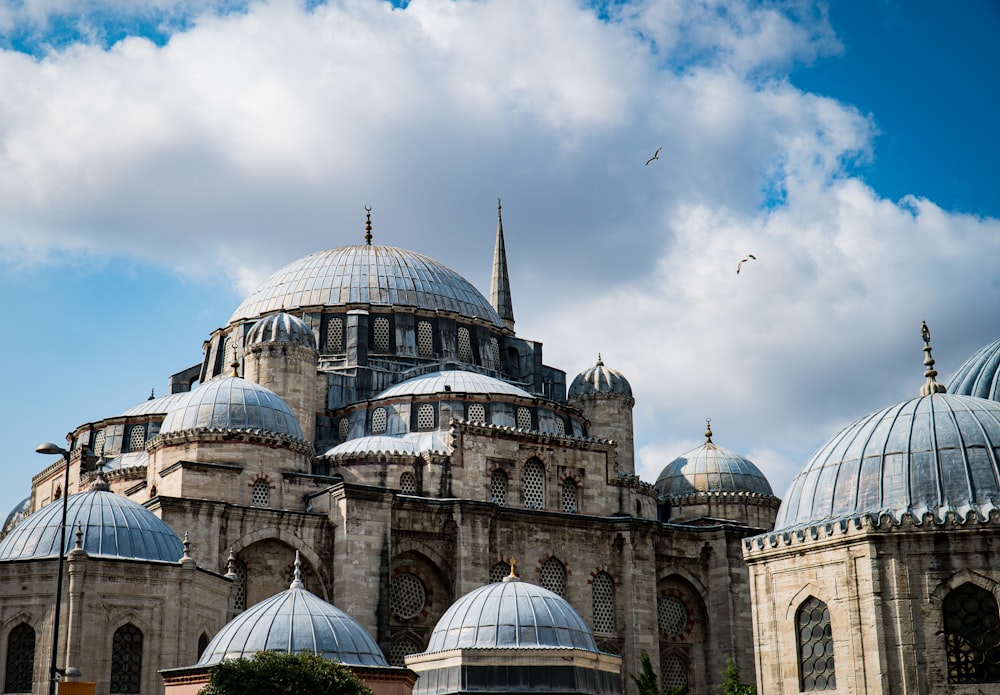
(297, 576)
(79, 536)
(512, 577)
(600, 362)
(932, 385)
(235, 365)
(231, 565)
(152, 394)
(187, 547)
(368, 225)
(100, 483)
(708, 430)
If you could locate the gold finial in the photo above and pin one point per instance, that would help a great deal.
(368, 225)
(512, 577)
(235, 366)
(932, 385)
(708, 430)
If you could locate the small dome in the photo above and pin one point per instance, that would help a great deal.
(112, 525)
(980, 375)
(295, 621)
(453, 381)
(710, 469)
(282, 328)
(511, 614)
(599, 379)
(410, 444)
(232, 403)
(930, 454)
(155, 406)
(18, 513)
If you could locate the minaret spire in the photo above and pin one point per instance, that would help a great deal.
(932, 385)
(500, 282)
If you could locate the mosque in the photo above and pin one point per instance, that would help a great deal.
(366, 447)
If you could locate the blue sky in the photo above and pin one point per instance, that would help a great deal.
(147, 185)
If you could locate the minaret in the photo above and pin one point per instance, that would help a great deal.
(500, 282)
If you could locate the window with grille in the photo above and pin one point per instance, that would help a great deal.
(425, 339)
(972, 635)
(407, 595)
(673, 671)
(98, 447)
(240, 586)
(534, 485)
(137, 438)
(425, 417)
(815, 641)
(498, 488)
(672, 616)
(477, 413)
(569, 496)
(603, 595)
(464, 344)
(126, 659)
(499, 571)
(401, 648)
(523, 419)
(343, 428)
(554, 576)
(334, 335)
(560, 427)
(379, 420)
(495, 352)
(407, 483)
(20, 659)
(380, 334)
(260, 493)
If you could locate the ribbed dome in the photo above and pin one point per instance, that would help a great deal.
(937, 453)
(713, 470)
(454, 381)
(362, 274)
(511, 614)
(291, 622)
(599, 379)
(282, 328)
(232, 404)
(113, 526)
(980, 375)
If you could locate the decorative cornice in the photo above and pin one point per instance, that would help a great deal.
(741, 497)
(566, 441)
(215, 435)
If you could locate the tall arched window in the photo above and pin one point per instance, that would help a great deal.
(425, 417)
(137, 438)
(464, 344)
(407, 483)
(20, 659)
(673, 670)
(202, 644)
(554, 576)
(972, 635)
(240, 585)
(498, 487)
(343, 428)
(379, 421)
(380, 334)
(476, 413)
(425, 339)
(603, 595)
(534, 485)
(260, 494)
(334, 336)
(569, 496)
(126, 659)
(815, 641)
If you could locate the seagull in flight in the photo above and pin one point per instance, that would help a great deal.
(656, 155)
(749, 257)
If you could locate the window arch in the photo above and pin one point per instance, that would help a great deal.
(425, 339)
(534, 484)
(20, 659)
(126, 659)
(815, 641)
(343, 428)
(407, 483)
(495, 354)
(523, 418)
(239, 585)
(603, 597)
(498, 487)
(570, 496)
(402, 647)
(464, 344)
(673, 671)
(202, 644)
(425, 417)
(407, 595)
(553, 576)
(260, 493)
(380, 334)
(379, 421)
(334, 335)
(137, 438)
(476, 413)
(972, 635)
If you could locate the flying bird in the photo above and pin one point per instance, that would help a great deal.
(656, 155)
(749, 257)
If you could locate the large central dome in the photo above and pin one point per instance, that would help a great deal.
(363, 274)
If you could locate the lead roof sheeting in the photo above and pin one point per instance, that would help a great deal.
(459, 382)
(980, 375)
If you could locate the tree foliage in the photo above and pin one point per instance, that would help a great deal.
(731, 684)
(277, 673)
(645, 682)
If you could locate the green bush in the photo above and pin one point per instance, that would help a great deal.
(276, 673)
(731, 684)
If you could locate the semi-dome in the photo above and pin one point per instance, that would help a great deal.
(710, 469)
(294, 621)
(232, 403)
(112, 526)
(511, 614)
(367, 275)
(980, 375)
(282, 328)
(599, 379)
(454, 381)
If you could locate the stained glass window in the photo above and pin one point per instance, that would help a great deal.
(477, 413)
(815, 640)
(495, 352)
(240, 586)
(20, 659)
(972, 635)
(126, 659)
(343, 428)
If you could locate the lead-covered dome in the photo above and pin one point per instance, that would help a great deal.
(710, 469)
(452, 381)
(112, 525)
(282, 328)
(232, 403)
(511, 614)
(599, 379)
(980, 375)
(367, 274)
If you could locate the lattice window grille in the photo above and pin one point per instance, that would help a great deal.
(523, 418)
(972, 635)
(534, 485)
(407, 596)
(672, 616)
(560, 426)
(425, 417)
(815, 640)
(569, 496)
(498, 488)
(126, 659)
(464, 344)
(402, 648)
(425, 339)
(554, 576)
(407, 483)
(137, 438)
(334, 335)
(20, 659)
(98, 447)
(673, 671)
(240, 586)
(499, 571)
(260, 493)
(379, 421)
(343, 428)
(380, 331)
(477, 413)
(603, 595)
(495, 352)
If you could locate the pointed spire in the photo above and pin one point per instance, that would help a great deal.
(600, 362)
(187, 547)
(708, 430)
(152, 394)
(368, 225)
(100, 483)
(932, 385)
(297, 577)
(512, 577)
(231, 565)
(79, 536)
(500, 282)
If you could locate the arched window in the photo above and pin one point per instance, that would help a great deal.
(401, 647)
(554, 576)
(407, 596)
(425, 339)
(380, 334)
(673, 671)
(523, 419)
(98, 445)
(464, 344)
(202, 644)
(260, 494)
(477, 413)
(569, 496)
(425, 417)
(534, 485)
(972, 635)
(498, 571)
(560, 426)
(137, 438)
(815, 641)
(334, 336)
(495, 353)
(240, 586)
(603, 594)
(379, 420)
(407, 483)
(672, 616)
(498, 487)
(343, 428)
(126, 659)
(20, 659)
